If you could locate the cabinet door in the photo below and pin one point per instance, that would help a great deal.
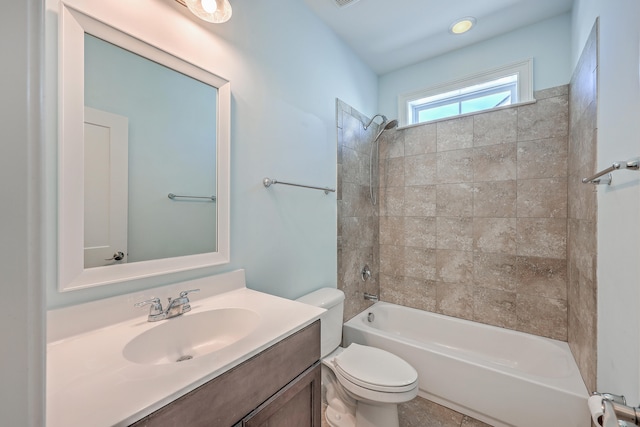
(298, 404)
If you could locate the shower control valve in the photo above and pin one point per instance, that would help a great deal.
(365, 273)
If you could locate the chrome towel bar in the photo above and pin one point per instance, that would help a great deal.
(595, 179)
(175, 196)
(268, 182)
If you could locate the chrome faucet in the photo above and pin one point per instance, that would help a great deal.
(176, 307)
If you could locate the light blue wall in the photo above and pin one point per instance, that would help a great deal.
(619, 204)
(548, 42)
(286, 70)
(172, 148)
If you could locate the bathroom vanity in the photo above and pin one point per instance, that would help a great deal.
(252, 360)
(280, 386)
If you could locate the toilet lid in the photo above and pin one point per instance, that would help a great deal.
(375, 369)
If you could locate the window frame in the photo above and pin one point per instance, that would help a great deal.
(523, 70)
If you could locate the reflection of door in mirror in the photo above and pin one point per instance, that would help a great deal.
(105, 187)
(172, 149)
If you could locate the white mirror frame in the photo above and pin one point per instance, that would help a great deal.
(71, 272)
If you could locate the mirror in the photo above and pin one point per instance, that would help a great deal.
(143, 164)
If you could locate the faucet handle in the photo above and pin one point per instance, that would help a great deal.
(156, 305)
(185, 293)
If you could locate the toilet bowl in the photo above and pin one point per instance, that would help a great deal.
(376, 380)
(362, 385)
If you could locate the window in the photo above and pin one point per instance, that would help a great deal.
(505, 86)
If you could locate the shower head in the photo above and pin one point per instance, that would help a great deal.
(393, 123)
(384, 120)
(386, 126)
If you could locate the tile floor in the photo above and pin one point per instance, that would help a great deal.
(424, 413)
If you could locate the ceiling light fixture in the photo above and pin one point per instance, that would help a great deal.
(216, 11)
(462, 25)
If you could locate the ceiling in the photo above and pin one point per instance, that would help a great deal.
(391, 34)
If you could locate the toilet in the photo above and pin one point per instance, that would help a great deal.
(362, 385)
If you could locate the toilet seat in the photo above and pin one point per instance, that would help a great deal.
(375, 369)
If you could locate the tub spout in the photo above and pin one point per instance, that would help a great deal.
(371, 297)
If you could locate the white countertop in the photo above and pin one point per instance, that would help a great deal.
(90, 382)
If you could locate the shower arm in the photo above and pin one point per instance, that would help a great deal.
(384, 120)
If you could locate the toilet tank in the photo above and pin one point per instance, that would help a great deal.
(332, 300)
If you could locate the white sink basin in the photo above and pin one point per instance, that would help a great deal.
(190, 336)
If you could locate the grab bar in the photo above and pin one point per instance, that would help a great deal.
(268, 182)
(595, 179)
(174, 196)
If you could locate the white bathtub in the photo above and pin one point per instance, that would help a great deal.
(502, 377)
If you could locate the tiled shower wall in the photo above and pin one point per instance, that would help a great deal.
(473, 216)
(582, 247)
(357, 217)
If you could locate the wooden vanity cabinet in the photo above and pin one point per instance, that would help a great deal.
(279, 387)
(296, 405)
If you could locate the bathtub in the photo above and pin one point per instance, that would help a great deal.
(498, 376)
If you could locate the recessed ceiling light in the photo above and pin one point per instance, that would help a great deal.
(462, 25)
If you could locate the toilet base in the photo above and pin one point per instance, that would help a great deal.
(336, 418)
(376, 415)
(366, 416)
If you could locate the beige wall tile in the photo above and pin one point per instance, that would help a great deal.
(420, 201)
(495, 162)
(551, 92)
(392, 260)
(497, 235)
(409, 292)
(455, 300)
(454, 233)
(455, 134)
(390, 143)
(542, 198)
(394, 173)
(357, 232)
(471, 220)
(454, 166)
(495, 199)
(420, 170)
(545, 158)
(355, 167)
(495, 307)
(542, 316)
(542, 237)
(582, 244)
(339, 182)
(545, 277)
(496, 127)
(420, 139)
(495, 271)
(547, 118)
(392, 230)
(349, 281)
(391, 201)
(454, 267)
(420, 232)
(420, 263)
(355, 200)
(352, 132)
(582, 208)
(454, 200)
